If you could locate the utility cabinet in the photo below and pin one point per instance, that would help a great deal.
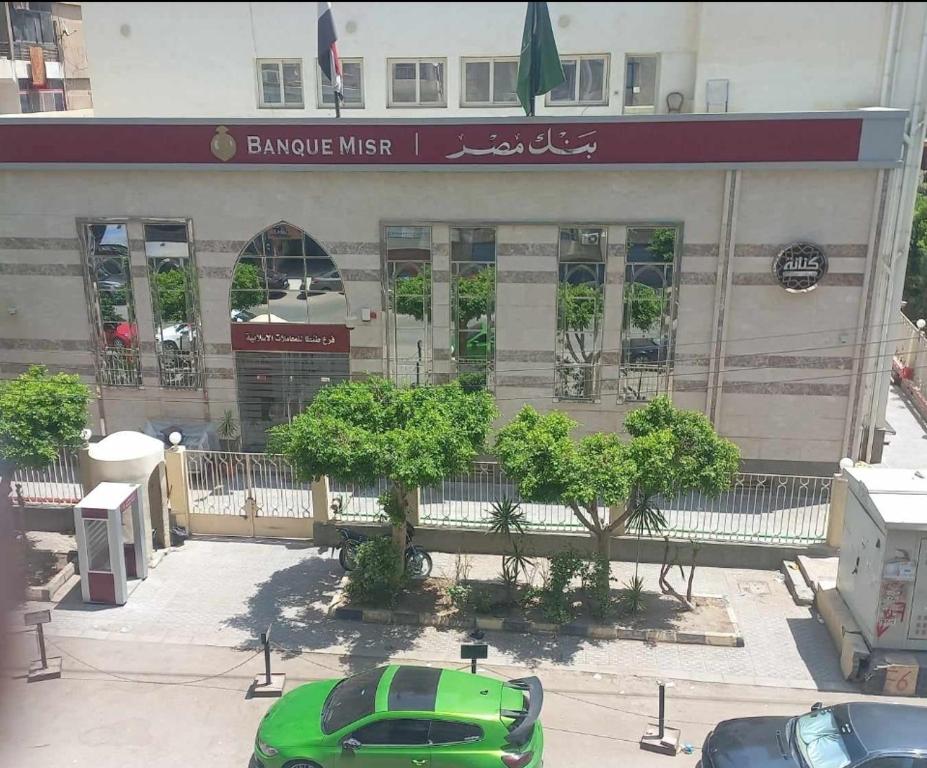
(882, 574)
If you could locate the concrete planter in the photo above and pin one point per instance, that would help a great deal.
(338, 609)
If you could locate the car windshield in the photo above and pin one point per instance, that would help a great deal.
(820, 741)
(350, 700)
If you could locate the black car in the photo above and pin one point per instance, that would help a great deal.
(856, 735)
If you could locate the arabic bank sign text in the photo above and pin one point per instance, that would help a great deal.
(290, 337)
(528, 143)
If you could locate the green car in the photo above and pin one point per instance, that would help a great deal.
(405, 717)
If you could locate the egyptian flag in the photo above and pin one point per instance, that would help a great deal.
(328, 50)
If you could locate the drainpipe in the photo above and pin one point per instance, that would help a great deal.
(907, 192)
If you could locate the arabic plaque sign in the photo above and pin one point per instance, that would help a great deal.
(799, 267)
(290, 337)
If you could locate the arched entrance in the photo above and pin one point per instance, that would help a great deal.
(289, 328)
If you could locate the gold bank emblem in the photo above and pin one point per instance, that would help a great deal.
(222, 145)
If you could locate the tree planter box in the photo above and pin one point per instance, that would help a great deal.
(722, 632)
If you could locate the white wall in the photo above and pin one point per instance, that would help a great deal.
(198, 59)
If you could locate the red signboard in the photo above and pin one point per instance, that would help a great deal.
(290, 337)
(689, 140)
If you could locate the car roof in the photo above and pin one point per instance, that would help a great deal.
(894, 728)
(405, 688)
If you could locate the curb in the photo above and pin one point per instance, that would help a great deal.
(51, 587)
(338, 610)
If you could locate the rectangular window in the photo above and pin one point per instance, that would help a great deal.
(640, 83)
(489, 82)
(580, 312)
(585, 83)
(648, 312)
(32, 25)
(172, 277)
(473, 305)
(352, 79)
(417, 82)
(106, 259)
(47, 99)
(408, 290)
(280, 83)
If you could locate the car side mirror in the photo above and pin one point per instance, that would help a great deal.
(816, 706)
(350, 744)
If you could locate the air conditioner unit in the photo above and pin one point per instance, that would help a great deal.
(589, 238)
(716, 95)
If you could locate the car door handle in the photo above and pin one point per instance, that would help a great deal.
(419, 762)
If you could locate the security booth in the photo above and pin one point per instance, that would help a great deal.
(882, 575)
(109, 523)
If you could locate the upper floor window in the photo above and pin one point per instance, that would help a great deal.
(106, 259)
(32, 25)
(417, 82)
(585, 82)
(352, 80)
(489, 82)
(47, 99)
(280, 83)
(172, 278)
(640, 83)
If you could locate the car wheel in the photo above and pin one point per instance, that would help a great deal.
(170, 346)
(301, 764)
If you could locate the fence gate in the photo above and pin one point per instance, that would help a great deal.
(246, 494)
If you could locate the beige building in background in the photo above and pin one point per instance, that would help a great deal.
(797, 378)
(43, 58)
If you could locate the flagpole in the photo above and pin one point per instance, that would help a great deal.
(337, 105)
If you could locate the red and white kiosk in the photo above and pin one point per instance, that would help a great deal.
(109, 522)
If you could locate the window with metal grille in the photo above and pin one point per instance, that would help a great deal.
(408, 288)
(473, 305)
(580, 311)
(109, 277)
(648, 313)
(172, 278)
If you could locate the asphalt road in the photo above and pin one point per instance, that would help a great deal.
(146, 704)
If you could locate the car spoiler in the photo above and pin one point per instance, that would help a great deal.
(525, 720)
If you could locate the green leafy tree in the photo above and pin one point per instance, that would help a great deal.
(247, 287)
(663, 243)
(109, 301)
(412, 295)
(915, 282)
(39, 415)
(172, 296)
(360, 431)
(644, 306)
(474, 295)
(669, 451)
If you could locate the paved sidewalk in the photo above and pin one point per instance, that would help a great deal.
(907, 448)
(225, 593)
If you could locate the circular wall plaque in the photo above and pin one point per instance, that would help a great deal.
(799, 267)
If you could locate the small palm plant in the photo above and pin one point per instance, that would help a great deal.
(508, 519)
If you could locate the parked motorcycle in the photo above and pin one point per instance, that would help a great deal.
(418, 561)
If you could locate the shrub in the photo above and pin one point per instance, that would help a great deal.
(557, 594)
(379, 575)
(461, 595)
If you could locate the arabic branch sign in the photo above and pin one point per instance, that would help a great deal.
(290, 337)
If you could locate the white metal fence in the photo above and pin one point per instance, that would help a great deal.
(222, 482)
(58, 483)
(758, 508)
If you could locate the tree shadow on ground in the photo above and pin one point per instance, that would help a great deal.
(294, 602)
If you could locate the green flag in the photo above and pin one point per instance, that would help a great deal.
(539, 69)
